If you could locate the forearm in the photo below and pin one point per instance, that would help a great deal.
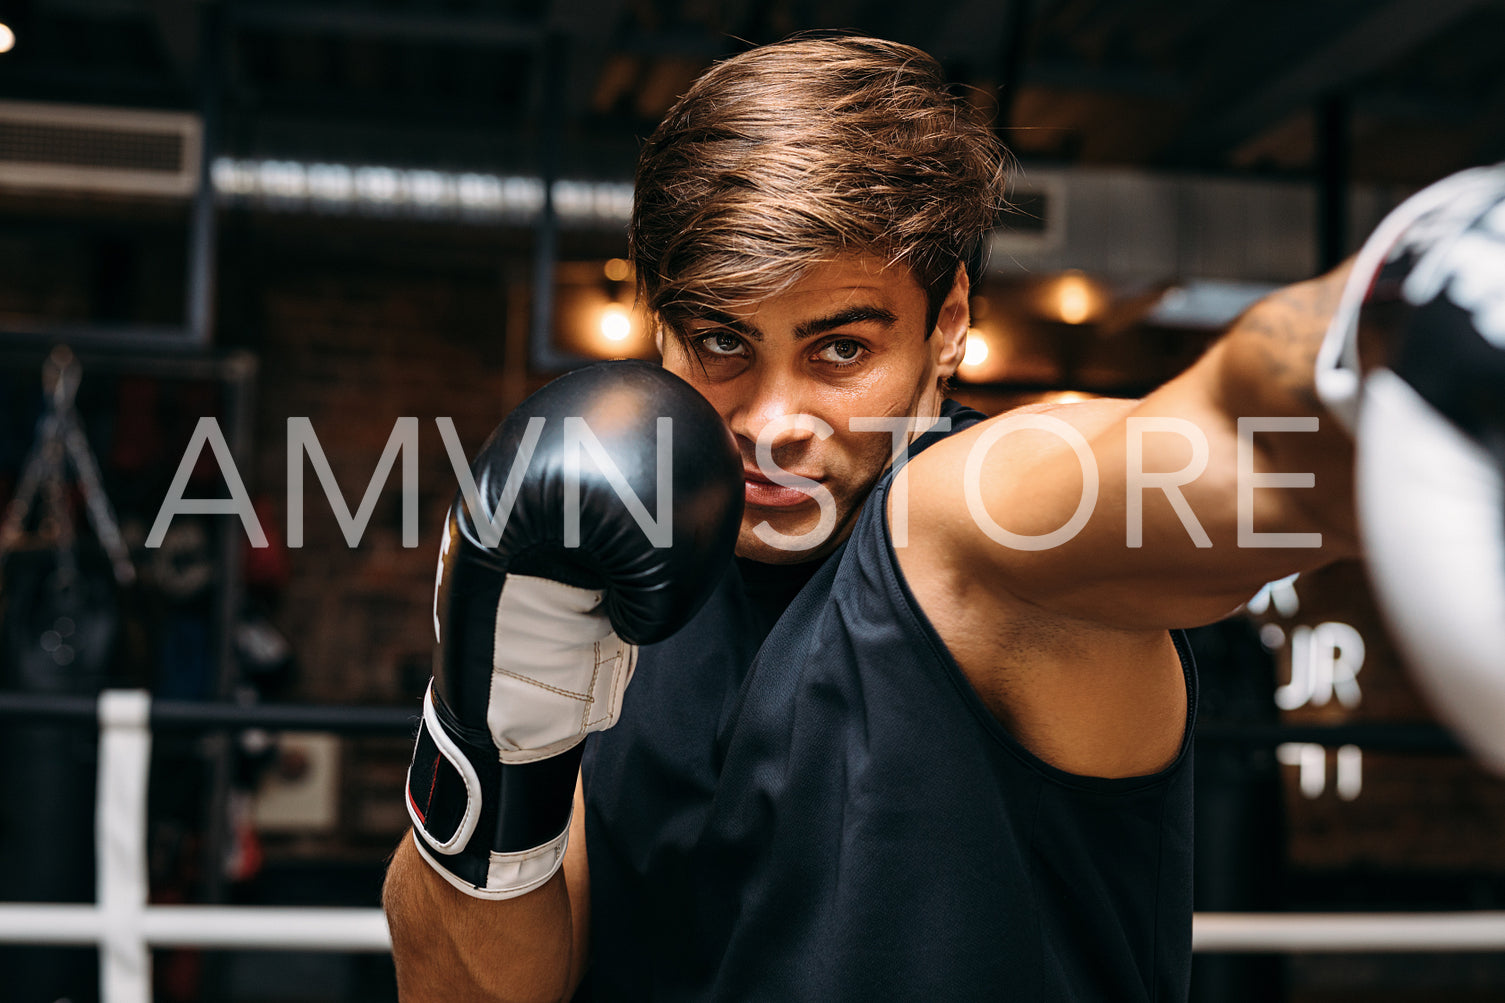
(1265, 367)
(449, 946)
(1267, 359)
(490, 898)
(1141, 561)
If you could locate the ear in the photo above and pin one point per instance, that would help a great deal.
(950, 334)
(658, 337)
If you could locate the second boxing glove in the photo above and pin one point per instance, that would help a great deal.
(1414, 363)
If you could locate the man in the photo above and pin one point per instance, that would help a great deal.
(930, 737)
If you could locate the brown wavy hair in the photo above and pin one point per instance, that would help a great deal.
(795, 153)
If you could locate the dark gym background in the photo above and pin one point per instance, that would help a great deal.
(358, 210)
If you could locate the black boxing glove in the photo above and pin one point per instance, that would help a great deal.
(1414, 364)
(603, 511)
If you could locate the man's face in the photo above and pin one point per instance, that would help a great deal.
(845, 341)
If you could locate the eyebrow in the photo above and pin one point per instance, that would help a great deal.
(809, 328)
(851, 315)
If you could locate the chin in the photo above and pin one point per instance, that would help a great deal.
(752, 548)
(764, 554)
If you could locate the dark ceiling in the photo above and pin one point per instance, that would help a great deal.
(1381, 90)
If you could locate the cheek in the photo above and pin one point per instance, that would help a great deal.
(897, 388)
(899, 391)
(715, 393)
(904, 369)
(861, 455)
(679, 362)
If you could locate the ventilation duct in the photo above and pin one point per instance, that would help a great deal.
(1142, 226)
(102, 150)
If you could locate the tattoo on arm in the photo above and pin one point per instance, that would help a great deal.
(1281, 334)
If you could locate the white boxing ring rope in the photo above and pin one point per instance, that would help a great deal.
(125, 927)
(1296, 932)
(244, 927)
(122, 924)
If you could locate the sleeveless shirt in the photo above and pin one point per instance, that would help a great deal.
(805, 800)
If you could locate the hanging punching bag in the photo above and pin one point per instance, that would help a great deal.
(57, 630)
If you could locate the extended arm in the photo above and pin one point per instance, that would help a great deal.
(1060, 627)
(1183, 547)
(1129, 517)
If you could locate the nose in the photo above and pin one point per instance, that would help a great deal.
(766, 412)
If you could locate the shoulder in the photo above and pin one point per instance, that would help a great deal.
(941, 490)
(1086, 417)
(1062, 685)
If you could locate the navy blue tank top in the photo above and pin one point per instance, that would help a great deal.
(805, 800)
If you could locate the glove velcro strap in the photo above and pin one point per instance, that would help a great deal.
(498, 875)
(493, 830)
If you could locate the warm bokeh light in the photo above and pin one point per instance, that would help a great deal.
(1074, 298)
(616, 322)
(977, 349)
(617, 269)
(7, 38)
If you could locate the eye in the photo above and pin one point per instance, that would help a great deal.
(722, 344)
(841, 352)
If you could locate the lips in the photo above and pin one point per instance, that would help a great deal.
(759, 490)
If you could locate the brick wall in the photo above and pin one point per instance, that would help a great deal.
(355, 328)
(353, 353)
(356, 325)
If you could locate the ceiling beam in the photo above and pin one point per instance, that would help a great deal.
(426, 25)
(178, 27)
(1125, 80)
(1371, 42)
(588, 26)
(964, 32)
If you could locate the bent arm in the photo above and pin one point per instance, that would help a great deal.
(1185, 521)
(450, 946)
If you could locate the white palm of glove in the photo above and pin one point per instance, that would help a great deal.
(558, 669)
